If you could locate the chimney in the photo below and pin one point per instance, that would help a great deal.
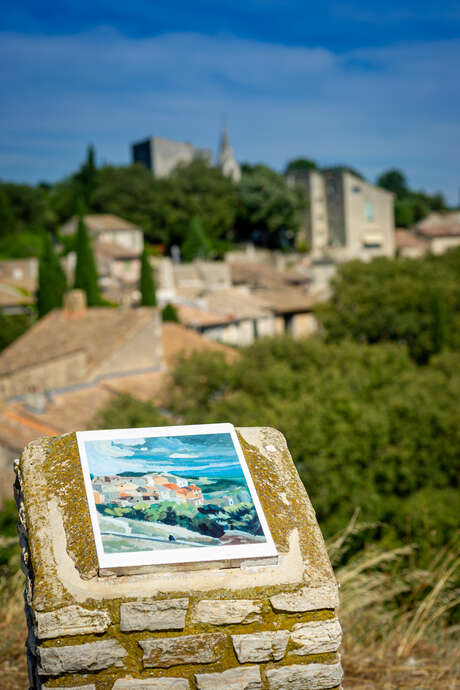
(75, 301)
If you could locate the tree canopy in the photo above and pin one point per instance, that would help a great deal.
(366, 426)
(270, 210)
(300, 165)
(412, 302)
(85, 269)
(52, 282)
(195, 244)
(147, 285)
(410, 206)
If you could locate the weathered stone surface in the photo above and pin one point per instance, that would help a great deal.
(168, 614)
(227, 612)
(67, 687)
(151, 684)
(317, 637)
(307, 599)
(305, 677)
(71, 620)
(263, 646)
(91, 656)
(247, 678)
(186, 649)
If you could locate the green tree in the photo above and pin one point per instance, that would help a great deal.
(270, 211)
(148, 293)
(12, 326)
(394, 181)
(85, 269)
(52, 282)
(404, 214)
(300, 165)
(6, 215)
(87, 176)
(343, 168)
(195, 245)
(169, 313)
(366, 427)
(196, 189)
(412, 302)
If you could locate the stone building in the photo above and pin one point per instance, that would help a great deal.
(440, 231)
(109, 229)
(161, 156)
(347, 218)
(53, 411)
(226, 160)
(76, 345)
(408, 245)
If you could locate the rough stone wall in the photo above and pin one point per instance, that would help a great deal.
(142, 351)
(57, 373)
(240, 628)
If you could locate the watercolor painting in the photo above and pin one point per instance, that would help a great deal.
(158, 493)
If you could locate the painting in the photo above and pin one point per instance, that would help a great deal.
(171, 495)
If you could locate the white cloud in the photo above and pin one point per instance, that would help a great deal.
(388, 106)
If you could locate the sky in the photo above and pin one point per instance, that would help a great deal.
(369, 84)
(207, 455)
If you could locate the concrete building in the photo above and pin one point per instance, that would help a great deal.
(161, 156)
(226, 160)
(347, 218)
(108, 229)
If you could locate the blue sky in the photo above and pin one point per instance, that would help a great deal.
(207, 455)
(374, 85)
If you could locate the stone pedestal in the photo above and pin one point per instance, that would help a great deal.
(238, 628)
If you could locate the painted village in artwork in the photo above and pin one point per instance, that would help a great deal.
(171, 492)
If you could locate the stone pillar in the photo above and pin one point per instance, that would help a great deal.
(239, 628)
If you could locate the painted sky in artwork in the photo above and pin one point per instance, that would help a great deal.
(370, 84)
(206, 455)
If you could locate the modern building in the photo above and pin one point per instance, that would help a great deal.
(347, 217)
(161, 156)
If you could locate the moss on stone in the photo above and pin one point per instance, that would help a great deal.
(64, 473)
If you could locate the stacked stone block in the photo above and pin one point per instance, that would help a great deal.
(239, 628)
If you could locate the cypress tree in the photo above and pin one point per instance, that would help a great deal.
(195, 245)
(6, 215)
(148, 293)
(85, 269)
(169, 313)
(52, 281)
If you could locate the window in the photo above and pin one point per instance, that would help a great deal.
(369, 210)
(356, 189)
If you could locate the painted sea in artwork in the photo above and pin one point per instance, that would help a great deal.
(171, 492)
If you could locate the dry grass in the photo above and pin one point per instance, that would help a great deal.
(13, 666)
(387, 646)
(395, 620)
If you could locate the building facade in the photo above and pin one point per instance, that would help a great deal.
(347, 218)
(161, 156)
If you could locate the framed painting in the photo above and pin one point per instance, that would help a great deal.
(164, 495)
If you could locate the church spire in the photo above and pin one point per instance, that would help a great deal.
(226, 162)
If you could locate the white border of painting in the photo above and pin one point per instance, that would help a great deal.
(189, 554)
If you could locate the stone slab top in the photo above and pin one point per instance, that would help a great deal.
(54, 510)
